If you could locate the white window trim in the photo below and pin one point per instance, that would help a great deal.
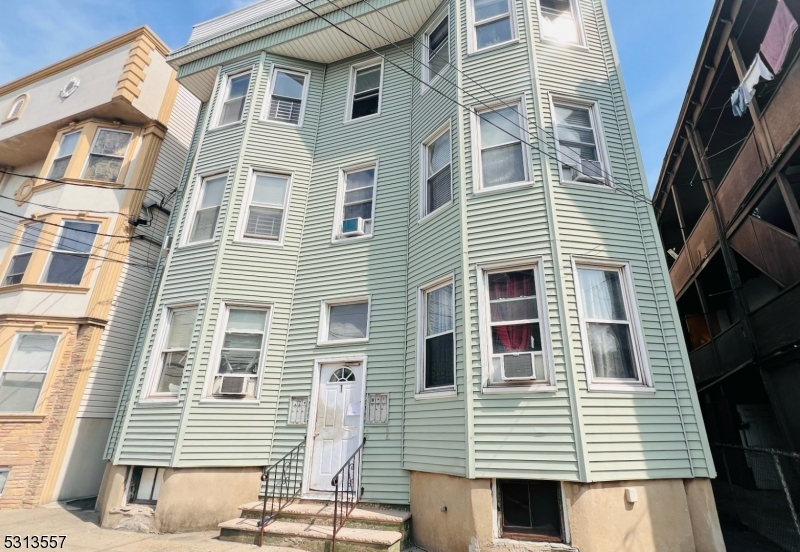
(477, 167)
(56, 156)
(436, 392)
(53, 357)
(54, 249)
(599, 136)
(154, 362)
(483, 270)
(352, 86)
(221, 99)
(423, 172)
(472, 41)
(248, 199)
(216, 351)
(324, 320)
(427, 80)
(338, 216)
(192, 209)
(581, 44)
(644, 382)
(264, 118)
(91, 147)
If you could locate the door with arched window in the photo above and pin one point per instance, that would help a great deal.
(338, 421)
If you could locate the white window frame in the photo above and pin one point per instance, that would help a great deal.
(56, 156)
(548, 385)
(351, 87)
(427, 79)
(324, 319)
(477, 170)
(248, 202)
(644, 382)
(154, 362)
(91, 147)
(422, 292)
(268, 100)
(472, 41)
(216, 351)
(579, 30)
(54, 250)
(7, 362)
(423, 172)
(565, 527)
(338, 217)
(17, 251)
(225, 90)
(597, 127)
(195, 203)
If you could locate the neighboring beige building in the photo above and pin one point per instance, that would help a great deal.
(91, 152)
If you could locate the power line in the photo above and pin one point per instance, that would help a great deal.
(84, 184)
(22, 217)
(468, 109)
(504, 103)
(55, 207)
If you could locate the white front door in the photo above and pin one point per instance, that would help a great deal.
(338, 421)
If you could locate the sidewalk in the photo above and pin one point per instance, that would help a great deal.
(84, 535)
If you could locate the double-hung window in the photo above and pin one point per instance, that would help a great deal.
(174, 349)
(204, 223)
(19, 262)
(493, 23)
(234, 97)
(287, 96)
(512, 325)
(437, 175)
(436, 350)
(241, 353)
(365, 90)
(25, 370)
(579, 148)
(559, 21)
(502, 156)
(357, 214)
(613, 349)
(62, 158)
(107, 154)
(266, 207)
(437, 50)
(344, 321)
(69, 257)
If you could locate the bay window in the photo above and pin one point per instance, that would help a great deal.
(22, 256)
(266, 207)
(437, 175)
(234, 96)
(107, 155)
(171, 355)
(287, 96)
(69, 257)
(241, 353)
(493, 23)
(502, 155)
(25, 370)
(209, 202)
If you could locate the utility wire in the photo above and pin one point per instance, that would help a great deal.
(55, 207)
(84, 184)
(22, 217)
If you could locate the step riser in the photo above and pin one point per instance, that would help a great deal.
(311, 545)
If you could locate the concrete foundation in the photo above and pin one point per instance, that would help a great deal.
(453, 514)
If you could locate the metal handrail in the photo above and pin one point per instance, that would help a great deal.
(351, 490)
(284, 472)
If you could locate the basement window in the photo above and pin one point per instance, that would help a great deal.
(4, 473)
(144, 485)
(530, 510)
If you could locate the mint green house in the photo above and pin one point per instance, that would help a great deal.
(421, 227)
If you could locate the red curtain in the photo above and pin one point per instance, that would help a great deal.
(508, 286)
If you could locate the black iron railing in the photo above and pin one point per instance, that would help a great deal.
(283, 481)
(347, 490)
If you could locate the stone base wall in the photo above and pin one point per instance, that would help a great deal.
(671, 515)
(29, 444)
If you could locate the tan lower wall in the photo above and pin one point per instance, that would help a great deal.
(668, 516)
(112, 491)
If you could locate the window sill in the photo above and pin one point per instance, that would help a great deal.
(342, 342)
(220, 402)
(158, 401)
(228, 125)
(620, 388)
(349, 121)
(65, 180)
(516, 390)
(354, 239)
(578, 47)
(436, 213)
(258, 243)
(196, 245)
(267, 122)
(444, 394)
(552, 546)
(21, 418)
(492, 48)
(503, 188)
(589, 185)
(53, 288)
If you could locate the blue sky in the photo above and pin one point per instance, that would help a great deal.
(657, 40)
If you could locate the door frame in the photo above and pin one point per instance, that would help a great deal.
(312, 417)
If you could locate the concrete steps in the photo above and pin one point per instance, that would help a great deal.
(308, 525)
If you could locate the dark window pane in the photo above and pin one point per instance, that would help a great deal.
(493, 33)
(531, 509)
(612, 355)
(363, 210)
(517, 309)
(439, 190)
(438, 36)
(59, 168)
(17, 269)
(66, 268)
(439, 361)
(365, 106)
(518, 366)
(511, 285)
(516, 338)
(348, 321)
(77, 236)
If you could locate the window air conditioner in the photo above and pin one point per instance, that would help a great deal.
(590, 171)
(233, 385)
(353, 227)
(518, 366)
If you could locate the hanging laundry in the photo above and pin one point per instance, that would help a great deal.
(744, 94)
(779, 37)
